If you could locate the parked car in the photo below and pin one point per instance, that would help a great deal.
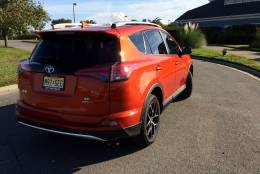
(103, 83)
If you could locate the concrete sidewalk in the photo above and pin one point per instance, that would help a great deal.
(8, 95)
(27, 46)
(249, 54)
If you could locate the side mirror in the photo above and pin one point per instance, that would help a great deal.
(187, 50)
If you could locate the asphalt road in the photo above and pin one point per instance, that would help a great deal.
(217, 130)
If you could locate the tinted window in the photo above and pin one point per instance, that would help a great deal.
(156, 42)
(138, 41)
(173, 47)
(147, 46)
(80, 50)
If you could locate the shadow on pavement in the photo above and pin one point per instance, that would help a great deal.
(258, 59)
(31, 151)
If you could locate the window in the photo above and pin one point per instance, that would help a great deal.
(173, 47)
(138, 41)
(76, 50)
(156, 42)
(147, 46)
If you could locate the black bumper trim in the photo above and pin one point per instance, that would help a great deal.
(97, 135)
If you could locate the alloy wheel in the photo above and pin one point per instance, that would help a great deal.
(152, 121)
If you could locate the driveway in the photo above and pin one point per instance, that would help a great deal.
(249, 54)
(20, 44)
(217, 130)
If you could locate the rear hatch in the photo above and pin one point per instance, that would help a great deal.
(70, 73)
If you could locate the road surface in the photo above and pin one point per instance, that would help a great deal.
(217, 130)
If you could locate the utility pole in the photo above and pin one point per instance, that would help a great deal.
(74, 4)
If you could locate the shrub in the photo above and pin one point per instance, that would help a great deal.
(244, 34)
(177, 34)
(175, 31)
(188, 35)
(256, 43)
(193, 39)
(27, 36)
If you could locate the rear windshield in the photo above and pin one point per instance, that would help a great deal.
(77, 50)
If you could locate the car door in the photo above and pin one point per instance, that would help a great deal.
(163, 61)
(178, 65)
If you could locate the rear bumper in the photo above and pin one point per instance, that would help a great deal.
(90, 127)
(99, 136)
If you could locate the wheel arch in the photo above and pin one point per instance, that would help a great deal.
(156, 90)
(191, 69)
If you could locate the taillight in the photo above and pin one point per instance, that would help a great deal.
(19, 69)
(121, 72)
(24, 66)
(23, 73)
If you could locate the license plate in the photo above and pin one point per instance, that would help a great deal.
(53, 83)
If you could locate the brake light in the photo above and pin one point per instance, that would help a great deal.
(23, 67)
(121, 72)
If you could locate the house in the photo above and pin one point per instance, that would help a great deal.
(224, 13)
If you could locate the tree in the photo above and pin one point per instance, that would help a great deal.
(59, 21)
(157, 21)
(17, 15)
(146, 20)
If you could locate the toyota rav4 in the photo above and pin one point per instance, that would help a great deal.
(103, 82)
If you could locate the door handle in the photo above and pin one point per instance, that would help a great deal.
(158, 68)
(177, 63)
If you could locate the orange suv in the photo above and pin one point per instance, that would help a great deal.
(103, 82)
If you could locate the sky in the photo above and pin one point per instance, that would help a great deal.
(107, 11)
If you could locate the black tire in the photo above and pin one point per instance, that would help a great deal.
(150, 121)
(188, 90)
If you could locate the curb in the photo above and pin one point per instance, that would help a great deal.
(7, 89)
(238, 66)
(28, 41)
(8, 95)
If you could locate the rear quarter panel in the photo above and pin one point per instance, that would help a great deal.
(130, 94)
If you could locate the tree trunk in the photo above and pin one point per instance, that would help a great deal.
(5, 38)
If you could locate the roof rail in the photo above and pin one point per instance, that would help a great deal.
(123, 23)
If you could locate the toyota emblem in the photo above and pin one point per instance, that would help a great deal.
(49, 69)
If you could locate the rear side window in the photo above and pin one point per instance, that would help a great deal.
(156, 42)
(138, 41)
(77, 50)
(173, 47)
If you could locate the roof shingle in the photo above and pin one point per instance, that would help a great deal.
(218, 9)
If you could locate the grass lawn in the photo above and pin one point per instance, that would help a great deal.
(205, 52)
(9, 59)
(243, 47)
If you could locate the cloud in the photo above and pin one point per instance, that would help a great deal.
(112, 10)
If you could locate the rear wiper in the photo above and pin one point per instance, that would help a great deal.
(48, 59)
